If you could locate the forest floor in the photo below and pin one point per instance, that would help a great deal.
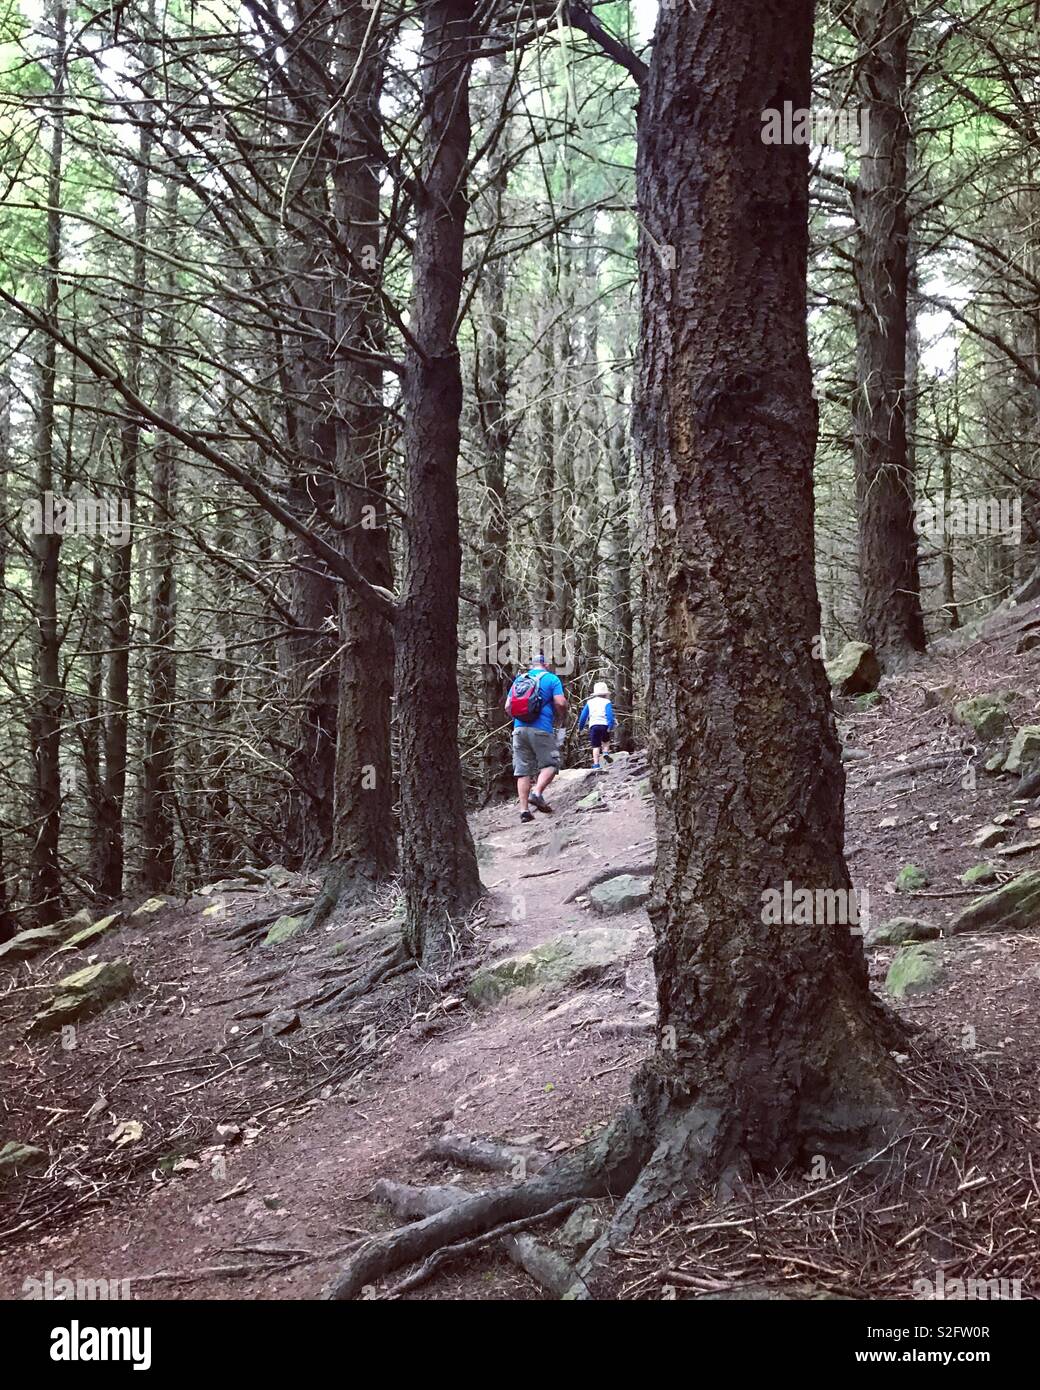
(323, 1083)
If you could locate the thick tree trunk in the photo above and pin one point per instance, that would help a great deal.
(890, 617)
(441, 880)
(770, 1044)
(364, 847)
(48, 694)
(313, 427)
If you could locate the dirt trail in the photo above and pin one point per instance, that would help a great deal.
(547, 1065)
(330, 1093)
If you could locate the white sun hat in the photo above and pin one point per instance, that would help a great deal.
(601, 688)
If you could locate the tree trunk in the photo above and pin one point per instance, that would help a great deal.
(158, 793)
(117, 685)
(493, 362)
(364, 846)
(890, 617)
(441, 880)
(8, 924)
(770, 1047)
(48, 695)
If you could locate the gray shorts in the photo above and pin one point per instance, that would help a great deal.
(533, 750)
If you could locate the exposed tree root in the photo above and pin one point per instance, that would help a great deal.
(657, 1151)
(606, 1167)
(487, 1156)
(548, 1269)
(391, 963)
(447, 1253)
(341, 884)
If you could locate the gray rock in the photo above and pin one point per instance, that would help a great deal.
(898, 930)
(15, 1156)
(1025, 748)
(582, 1228)
(83, 938)
(621, 894)
(28, 943)
(84, 993)
(573, 956)
(988, 835)
(855, 670)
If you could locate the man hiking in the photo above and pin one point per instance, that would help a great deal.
(537, 703)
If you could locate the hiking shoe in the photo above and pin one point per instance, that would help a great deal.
(526, 817)
(607, 758)
(536, 800)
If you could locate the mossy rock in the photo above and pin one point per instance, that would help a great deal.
(898, 930)
(29, 943)
(565, 959)
(1014, 906)
(1025, 748)
(283, 929)
(914, 969)
(855, 670)
(979, 873)
(149, 906)
(869, 701)
(986, 715)
(15, 1157)
(84, 993)
(82, 938)
(995, 762)
(910, 878)
(278, 875)
(590, 802)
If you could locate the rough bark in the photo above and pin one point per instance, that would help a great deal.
(770, 1045)
(493, 367)
(364, 844)
(441, 880)
(890, 616)
(48, 693)
(158, 789)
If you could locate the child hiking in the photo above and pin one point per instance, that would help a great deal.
(598, 714)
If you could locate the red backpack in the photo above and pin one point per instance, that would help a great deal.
(526, 700)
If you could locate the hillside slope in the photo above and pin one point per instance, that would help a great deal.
(217, 1133)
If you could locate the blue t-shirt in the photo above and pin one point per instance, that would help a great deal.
(550, 686)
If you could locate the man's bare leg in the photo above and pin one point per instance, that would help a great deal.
(523, 790)
(544, 778)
